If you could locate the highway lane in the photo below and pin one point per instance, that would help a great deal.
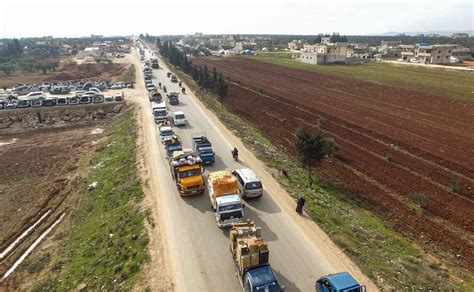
(199, 249)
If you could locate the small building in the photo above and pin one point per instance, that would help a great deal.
(325, 40)
(462, 53)
(296, 44)
(89, 52)
(325, 54)
(433, 54)
(407, 52)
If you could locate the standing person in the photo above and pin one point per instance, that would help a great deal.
(300, 204)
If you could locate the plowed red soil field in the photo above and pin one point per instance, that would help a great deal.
(406, 155)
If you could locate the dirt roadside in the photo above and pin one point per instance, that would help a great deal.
(285, 202)
(158, 274)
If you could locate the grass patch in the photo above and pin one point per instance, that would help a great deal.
(105, 245)
(129, 75)
(389, 259)
(455, 84)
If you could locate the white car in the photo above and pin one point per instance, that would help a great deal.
(35, 95)
(179, 119)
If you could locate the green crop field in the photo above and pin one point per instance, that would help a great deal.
(455, 84)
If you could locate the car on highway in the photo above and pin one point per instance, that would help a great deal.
(179, 119)
(249, 184)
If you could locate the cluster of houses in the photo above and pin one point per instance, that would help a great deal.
(105, 50)
(226, 44)
(327, 52)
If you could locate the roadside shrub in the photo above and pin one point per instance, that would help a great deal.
(389, 158)
(420, 198)
(454, 185)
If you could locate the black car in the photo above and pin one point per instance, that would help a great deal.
(50, 102)
(22, 103)
(84, 99)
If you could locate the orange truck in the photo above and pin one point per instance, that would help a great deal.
(225, 199)
(186, 170)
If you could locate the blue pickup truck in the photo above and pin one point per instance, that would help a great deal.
(340, 282)
(203, 147)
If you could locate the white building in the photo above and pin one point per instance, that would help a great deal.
(89, 52)
(325, 54)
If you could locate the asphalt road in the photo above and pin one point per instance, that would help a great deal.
(199, 249)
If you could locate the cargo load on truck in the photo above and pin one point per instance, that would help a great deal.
(186, 170)
(173, 97)
(251, 257)
(172, 144)
(203, 147)
(225, 199)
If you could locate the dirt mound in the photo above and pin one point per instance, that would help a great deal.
(89, 71)
(408, 156)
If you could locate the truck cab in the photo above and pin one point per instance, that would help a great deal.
(186, 170)
(165, 133)
(159, 111)
(340, 282)
(203, 147)
(261, 278)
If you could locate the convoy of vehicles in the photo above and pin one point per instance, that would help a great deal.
(225, 190)
(203, 147)
(225, 200)
(186, 170)
(250, 254)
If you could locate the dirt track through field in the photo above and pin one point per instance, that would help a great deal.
(406, 155)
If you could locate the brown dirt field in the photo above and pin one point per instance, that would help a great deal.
(430, 139)
(38, 166)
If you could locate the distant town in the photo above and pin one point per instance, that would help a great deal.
(335, 48)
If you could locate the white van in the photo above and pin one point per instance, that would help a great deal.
(179, 119)
(249, 184)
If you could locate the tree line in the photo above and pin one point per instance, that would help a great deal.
(205, 79)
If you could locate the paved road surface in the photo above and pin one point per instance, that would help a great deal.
(199, 249)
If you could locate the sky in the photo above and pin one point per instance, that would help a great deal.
(20, 18)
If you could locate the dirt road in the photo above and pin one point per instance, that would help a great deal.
(198, 249)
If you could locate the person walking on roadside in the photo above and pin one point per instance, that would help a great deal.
(300, 204)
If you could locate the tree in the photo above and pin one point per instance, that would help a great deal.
(222, 88)
(158, 43)
(313, 149)
(7, 69)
